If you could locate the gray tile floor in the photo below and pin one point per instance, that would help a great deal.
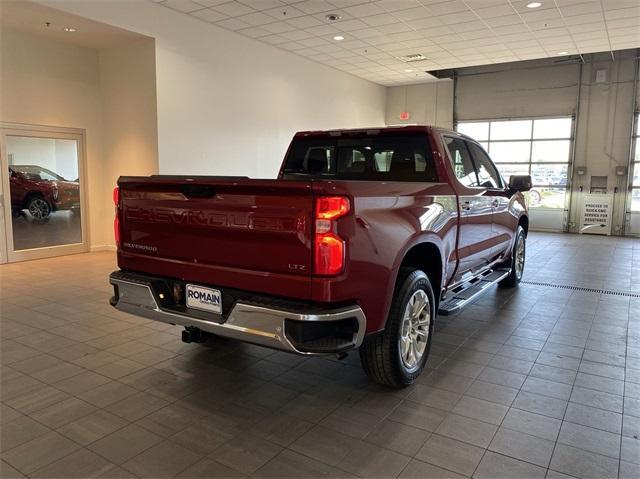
(525, 383)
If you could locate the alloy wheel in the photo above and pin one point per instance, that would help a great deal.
(414, 332)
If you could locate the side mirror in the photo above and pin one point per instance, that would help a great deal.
(520, 182)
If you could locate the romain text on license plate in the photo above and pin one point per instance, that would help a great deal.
(205, 299)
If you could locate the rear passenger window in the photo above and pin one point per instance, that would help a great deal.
(488, 175)
(461, 161)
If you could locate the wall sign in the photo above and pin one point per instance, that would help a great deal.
(405, 115)
(595, 217)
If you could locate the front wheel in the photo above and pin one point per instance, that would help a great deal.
(518, 254)
(38, 207)
(397, 356)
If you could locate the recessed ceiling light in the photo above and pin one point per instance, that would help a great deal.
(69, 29)
(563, 53)
(333, 17)
(534, 5)
(338, 38)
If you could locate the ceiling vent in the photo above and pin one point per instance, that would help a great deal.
(414, 57)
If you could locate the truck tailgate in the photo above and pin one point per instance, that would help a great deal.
(238, 233)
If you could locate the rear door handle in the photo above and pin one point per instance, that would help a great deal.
(465, 205)
(495, 203)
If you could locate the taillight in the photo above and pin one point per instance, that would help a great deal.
(328, 246)
(116, 221)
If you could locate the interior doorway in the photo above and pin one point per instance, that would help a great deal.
(43, 192)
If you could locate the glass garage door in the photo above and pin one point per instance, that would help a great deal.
(634, 197)
(540, 147)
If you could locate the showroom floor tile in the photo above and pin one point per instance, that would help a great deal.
(543, 380)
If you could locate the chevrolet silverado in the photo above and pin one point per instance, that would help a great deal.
(361, 240)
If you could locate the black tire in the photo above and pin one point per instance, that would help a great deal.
(381, 355)
(517, 270)
(38, 207)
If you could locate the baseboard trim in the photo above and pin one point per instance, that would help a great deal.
(105, 247)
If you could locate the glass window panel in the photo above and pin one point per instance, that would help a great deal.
(510, 152)
(551, 151)
(552, 128)
(547, 197)
(485, 145)
(637, 150)
(549, 174)
(636, 174)
(511, 130)
(508, 170)
(45, 191)
(476, 130)
(461, 161)
(635, 199)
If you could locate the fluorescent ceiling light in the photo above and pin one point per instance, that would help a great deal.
(69, 29)
(408, 70)
(534, 5)
(563, 53)
(338, 38)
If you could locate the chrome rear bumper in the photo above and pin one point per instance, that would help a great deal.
(247, 322)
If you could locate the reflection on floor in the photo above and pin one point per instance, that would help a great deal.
(61, 227)
(527, 382)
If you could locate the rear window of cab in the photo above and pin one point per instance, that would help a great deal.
(387, 158)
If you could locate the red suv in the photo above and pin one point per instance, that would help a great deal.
(41, 191)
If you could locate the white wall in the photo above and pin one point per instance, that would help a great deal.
(110, 93)
(228, 104)
(604, 127)
(427, 104)
(54, 84)
(129, 117)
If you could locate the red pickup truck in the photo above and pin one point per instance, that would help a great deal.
(364, 237)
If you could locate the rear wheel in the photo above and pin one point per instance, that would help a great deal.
(397, 356)
(38, 207)
(518, 254)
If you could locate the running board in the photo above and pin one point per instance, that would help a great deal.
(470, 290)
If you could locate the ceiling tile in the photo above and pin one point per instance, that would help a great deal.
(185, 6)
(322, 30)
(233, 24)
(274, 39)
(278, 27)
(313, 42)
(364, 10)
(254, 32)
(210, 3)
(616, 4)
(491, 12)
(256, 4)
(285, 12)
(377, 20)
(350, 25)
(209, 15)
(256, 18)
(297, 35)
(622, 13)
(315, 6)
(305, 22)
(397, 5)
(233, 9)
(412, 14)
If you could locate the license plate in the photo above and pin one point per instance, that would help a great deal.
(204, 299)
